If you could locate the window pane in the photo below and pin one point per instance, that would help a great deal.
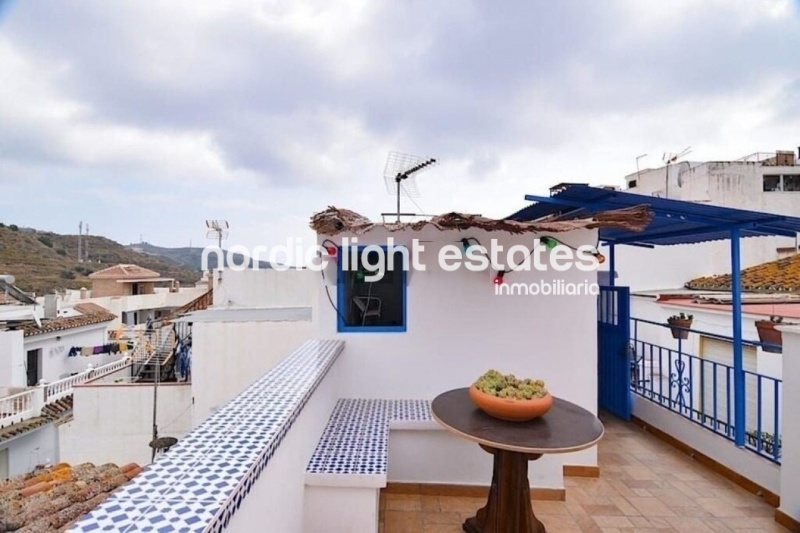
(791, 182)
(772, 182)
(374, 303)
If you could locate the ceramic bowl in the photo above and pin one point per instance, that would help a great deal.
(510, 409)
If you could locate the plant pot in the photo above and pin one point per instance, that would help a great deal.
(769, 335)
(510, 409)
(675, 327)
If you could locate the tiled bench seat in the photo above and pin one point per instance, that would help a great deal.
(354, 448)
(350, 464)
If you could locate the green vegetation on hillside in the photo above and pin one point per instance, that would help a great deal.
(43, 261)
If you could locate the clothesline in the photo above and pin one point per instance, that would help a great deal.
(110, 348)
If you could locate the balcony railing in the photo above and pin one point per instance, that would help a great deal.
(29, 404)
(702, 390)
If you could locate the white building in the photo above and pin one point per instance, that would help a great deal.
(768, 183)
(133, 294)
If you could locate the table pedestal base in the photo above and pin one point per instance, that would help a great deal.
(508, 509)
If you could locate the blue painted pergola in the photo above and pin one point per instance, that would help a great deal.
(674, 222)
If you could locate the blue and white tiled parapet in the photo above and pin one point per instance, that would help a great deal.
(201, 481)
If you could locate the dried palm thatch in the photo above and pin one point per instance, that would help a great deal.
(334, 220)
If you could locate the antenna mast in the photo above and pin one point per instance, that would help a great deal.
(217, 229)
(401, 168)
(80, 237)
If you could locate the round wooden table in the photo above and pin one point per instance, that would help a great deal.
(565, 428)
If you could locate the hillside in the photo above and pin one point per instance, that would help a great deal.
(192, 257)
(43, 261)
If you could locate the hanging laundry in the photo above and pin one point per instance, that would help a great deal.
(74, 351)
(123, 346)
(86, 351)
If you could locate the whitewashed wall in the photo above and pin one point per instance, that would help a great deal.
(265, 288)
(458, 329)
(39, 446)
(114, 423)
(228, 356)
(55, 349)
(12, 360)
(790, 467)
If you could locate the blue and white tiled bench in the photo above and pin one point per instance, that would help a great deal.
(350, 464)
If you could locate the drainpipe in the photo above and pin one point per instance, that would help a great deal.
(736, 313)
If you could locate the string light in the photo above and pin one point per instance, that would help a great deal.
(550, 242)
(331, 247)
(499, 279)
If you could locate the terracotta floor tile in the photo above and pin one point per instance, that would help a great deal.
(651, 507)
(402, 521)
(442, 517)
(612, 521)
(403, 502)
(644, 486)
(559, 523)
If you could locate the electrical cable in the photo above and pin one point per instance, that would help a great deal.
(330, 299)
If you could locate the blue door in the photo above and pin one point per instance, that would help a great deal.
(613, 358)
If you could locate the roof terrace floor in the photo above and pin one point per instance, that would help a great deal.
(644, 485)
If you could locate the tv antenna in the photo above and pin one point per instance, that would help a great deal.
(400, 172)
(669, 158)
(217, 229)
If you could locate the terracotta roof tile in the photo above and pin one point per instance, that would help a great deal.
(51, 499)
(64, 323)
(124, 272)
(782, 275)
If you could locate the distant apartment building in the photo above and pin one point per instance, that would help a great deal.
(765, 182)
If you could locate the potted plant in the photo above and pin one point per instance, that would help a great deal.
(508, 398)
(679, 325)
(769, 336)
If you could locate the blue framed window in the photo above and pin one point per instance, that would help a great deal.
(367, 304)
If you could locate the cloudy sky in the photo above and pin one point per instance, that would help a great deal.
(146, 118)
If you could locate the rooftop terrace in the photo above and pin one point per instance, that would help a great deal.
(645, 485)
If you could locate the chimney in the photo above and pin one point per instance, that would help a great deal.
(84, 293)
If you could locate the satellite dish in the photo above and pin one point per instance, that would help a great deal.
(400, 175)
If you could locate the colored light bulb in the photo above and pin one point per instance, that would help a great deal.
(498, 279)
(549, 242)
(331, 250)
(600, 258)
(360, 275)
(466, 244)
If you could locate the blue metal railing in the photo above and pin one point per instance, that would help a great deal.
(702, 390)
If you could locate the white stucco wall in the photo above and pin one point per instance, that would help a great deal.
(55, 349)
(228, 356)
(458, 329)
(39, 446)
(114, 423)
(790, 471)
(265, 288)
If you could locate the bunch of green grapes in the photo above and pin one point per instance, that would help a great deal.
(509, 386)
